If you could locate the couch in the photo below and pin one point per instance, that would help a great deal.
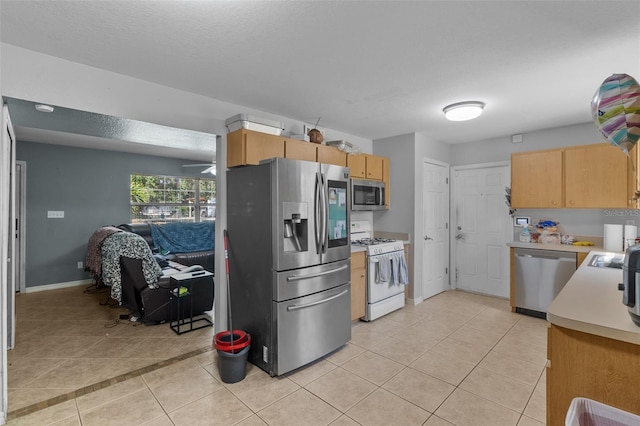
(123, 259)
(169, 248)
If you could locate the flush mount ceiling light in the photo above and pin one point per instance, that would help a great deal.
(44, 108)
(463, 111)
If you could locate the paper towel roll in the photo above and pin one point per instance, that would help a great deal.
(613, 237)
(630, 235)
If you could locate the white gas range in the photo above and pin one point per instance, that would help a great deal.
(386, 271)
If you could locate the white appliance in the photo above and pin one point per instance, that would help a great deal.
(382, 296)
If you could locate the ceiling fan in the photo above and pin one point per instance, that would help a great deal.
(209, 167)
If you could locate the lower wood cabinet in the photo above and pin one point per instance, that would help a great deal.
(358, 285)
(589, 366)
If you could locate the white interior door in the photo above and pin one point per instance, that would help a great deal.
(9, 149)
(20, 215)
(7, 238)
(435, 220)
(482, 229)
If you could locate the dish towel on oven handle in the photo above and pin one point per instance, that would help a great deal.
(399, 268)
(383, 269)
(392, 265)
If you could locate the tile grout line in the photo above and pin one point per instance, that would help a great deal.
(103, 384)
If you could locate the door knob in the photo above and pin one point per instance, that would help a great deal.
(460, 237)
(427, 238)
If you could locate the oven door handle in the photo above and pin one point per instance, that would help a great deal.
(307, 305)
(317, 274)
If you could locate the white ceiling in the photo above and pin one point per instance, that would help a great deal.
(371, 69)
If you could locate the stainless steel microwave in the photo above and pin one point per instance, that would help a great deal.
(367, 195)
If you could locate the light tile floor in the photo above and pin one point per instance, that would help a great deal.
(67, 340)
(455, 359)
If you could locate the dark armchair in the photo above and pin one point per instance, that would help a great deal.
(154, 302)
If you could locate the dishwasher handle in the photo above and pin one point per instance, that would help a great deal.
(563, 258)
(552, 255)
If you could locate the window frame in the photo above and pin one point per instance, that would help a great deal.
(198, 203)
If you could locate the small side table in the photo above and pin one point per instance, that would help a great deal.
(182, 299)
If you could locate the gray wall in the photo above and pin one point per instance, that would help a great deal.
(400, 149)
(92, 188)
(407, 153)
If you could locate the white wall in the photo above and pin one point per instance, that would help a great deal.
(37, 77)
(500, 149)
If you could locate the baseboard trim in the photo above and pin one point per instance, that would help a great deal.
(415, 301)
(57, 286)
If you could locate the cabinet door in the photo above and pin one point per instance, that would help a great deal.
(358, 285)
(299, 150)
(595, 177)
(633, 179)
(374, 167)
(536, 179)
(357, 164)
(331, 155)
(249, 147)
(386, 173)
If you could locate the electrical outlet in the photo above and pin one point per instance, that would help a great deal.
(80, 265)
(55, 214)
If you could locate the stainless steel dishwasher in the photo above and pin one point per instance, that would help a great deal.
(539, 275)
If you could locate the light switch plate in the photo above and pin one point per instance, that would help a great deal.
(55, 214)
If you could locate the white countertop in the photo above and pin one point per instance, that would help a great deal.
(591, 302)
(559, 247)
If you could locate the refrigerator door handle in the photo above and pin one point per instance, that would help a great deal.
(316, 213)
(307, 305)
(325, 214)
(318, 274)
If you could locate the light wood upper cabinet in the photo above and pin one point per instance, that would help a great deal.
(330, 155)
(595, 177)
(375, 167)
(536, 179)
(358, 285)
(299, 150)
(358, 166)
(585, 176)
(250, 147)
(366, 166)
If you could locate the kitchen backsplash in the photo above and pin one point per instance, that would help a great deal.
(584, 222)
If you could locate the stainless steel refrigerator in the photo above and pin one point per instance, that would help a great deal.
(289, 260)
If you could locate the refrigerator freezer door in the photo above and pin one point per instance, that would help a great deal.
(302, 282)
(311, 327)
